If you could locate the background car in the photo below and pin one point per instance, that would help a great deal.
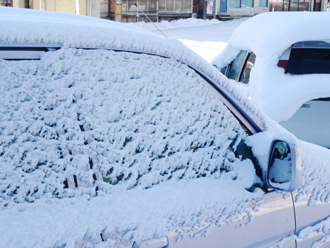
(298, 96)
(111, 136)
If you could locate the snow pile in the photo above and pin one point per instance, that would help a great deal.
(261, 32)
(190, 22)
(279, 95)
(129, 116)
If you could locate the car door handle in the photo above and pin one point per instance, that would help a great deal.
(153, 243)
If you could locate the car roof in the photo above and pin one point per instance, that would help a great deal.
(270, 34)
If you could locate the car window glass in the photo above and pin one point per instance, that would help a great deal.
(309, 61)
(245, 76)
(236, 65)
(140, 119)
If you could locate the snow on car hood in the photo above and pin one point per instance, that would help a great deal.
(268, 35)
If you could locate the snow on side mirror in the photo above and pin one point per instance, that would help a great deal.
(284, 166)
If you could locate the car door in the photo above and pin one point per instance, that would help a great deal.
(311, 122)
(308, 215)
(265, 226)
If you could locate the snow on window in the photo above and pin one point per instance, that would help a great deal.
(139, 119)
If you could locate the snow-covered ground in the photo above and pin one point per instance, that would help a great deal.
(205, 37)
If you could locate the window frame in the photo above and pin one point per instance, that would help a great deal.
(240, 5)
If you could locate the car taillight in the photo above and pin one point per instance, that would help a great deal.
(283, 64)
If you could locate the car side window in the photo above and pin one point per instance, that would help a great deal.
(139, 119)
(245, 75)
(236, 65)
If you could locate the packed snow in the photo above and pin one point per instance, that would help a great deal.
(279, 95)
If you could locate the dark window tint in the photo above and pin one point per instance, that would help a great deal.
(309, 61)
(245, 76)
(236, 65)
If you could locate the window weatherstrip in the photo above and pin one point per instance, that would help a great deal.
(232, 106)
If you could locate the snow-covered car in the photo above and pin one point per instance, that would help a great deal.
(111, 136)
(285, 69)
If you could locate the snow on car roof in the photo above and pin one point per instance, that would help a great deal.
(268, 35)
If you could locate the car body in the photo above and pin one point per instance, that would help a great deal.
(111, 136)
(272, 67)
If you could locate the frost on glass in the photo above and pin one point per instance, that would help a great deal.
(139, 119)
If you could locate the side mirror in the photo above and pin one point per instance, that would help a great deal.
(284, 167)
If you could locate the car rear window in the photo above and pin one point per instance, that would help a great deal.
(309, 61)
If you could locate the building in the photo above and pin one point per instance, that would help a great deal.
(299, 5)
(157, 10)
(95, 8)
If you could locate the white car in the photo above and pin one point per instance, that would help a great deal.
(282, 61)
(111, 136)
